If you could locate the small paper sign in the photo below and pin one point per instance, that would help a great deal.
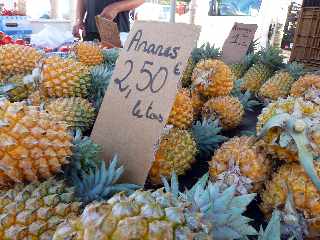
(237, 44)
(108, 31)
(141, 94)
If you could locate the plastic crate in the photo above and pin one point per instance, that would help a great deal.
(15, 26)
(307, 38)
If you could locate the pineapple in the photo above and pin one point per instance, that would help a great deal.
(32, 145)
(64, 78)
(251, 161)
(239, 69)
(34, 211)
(35, 98)
(198, 102)
(89, 53)
(280, 84)
(212, 78)
(304, 84)
(17, 59)
(290, 130)
(19, 87)
(177, 149)
(77, 112)
(292, 178)
(228, 110)
(205, 212)
(181, 115)
(269, 61)
(204, 52)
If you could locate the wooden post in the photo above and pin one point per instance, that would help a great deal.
(173, 11)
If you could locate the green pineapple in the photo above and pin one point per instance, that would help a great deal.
(239, 69)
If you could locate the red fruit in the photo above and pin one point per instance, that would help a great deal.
(48, 50)
(64, 49)
(20, 42)
(1, 42)
(7, 40)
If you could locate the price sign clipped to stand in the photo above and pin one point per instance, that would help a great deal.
(141, 94)
(108, 31)
(237, 44)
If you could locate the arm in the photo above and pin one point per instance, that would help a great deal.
(112, 10)
(80, 13)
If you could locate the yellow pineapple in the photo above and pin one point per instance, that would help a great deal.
(304, 83)
(32, 145)
(242, 153)
(279, 85)
(64, 78)
(181, 115)
(34, 211)
(198, 102)
(89, 53)
(176, 152)
(212, 78)
(35, 98)
(269, 61)
(77, 112)
(17, 59)
(292, 178)
(228, 110)
(19, 87)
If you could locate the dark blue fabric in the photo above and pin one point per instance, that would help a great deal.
(95, 7)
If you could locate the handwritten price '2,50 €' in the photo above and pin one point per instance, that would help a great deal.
(154, 82)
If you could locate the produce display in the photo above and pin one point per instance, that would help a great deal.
(237, 159)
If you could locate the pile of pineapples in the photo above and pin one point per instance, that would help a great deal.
(54, 185)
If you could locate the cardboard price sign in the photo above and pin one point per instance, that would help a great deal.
(141, 94)
(108, 31)
(237, 44)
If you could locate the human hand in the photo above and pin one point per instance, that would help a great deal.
(76, 29)
(110, 12)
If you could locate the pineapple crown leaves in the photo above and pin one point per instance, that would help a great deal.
(222, 209)
(253, 46)
(272, 231)
(101, 76)
(271, 57)
(206, 135)
(110, 56)
(297, 128)
(295, 69)
(206, 51)
(250, 59)
(248, 102)
(101, 183)
(85, 153)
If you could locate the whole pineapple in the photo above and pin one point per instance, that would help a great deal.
(17, 59)
(64, 78)
(228, 110)
(239, 69)
(206, 51)
(242, 153)
(77, 112)
(32, 145)
(198, 214)
(292, 178)
(34, 211)
(18, 87)
(176, 152)
(304, 83)
(279, 85)
(269, 61)
(181, 115)
(212, 78)
(88, 53)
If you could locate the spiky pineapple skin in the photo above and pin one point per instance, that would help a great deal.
(89, 53)
(143, 215)
(238, 69)
(228, 110)
(243, 151)
(64, 78)
(77, 112)
(176, 152)
(181, 115)
(308, 110)
(198, 102)
(186, 79)
(21, 89)
(256, 76)
(277, 86)
(32, 145)
(34, 211)
(292, 177)
(212, 78)
(304, 83)
(17, 59)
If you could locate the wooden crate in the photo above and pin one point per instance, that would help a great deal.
(307, 39)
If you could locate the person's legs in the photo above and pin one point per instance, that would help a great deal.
(91, 37)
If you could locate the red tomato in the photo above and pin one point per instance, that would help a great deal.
(7, 40)
(20, 42)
